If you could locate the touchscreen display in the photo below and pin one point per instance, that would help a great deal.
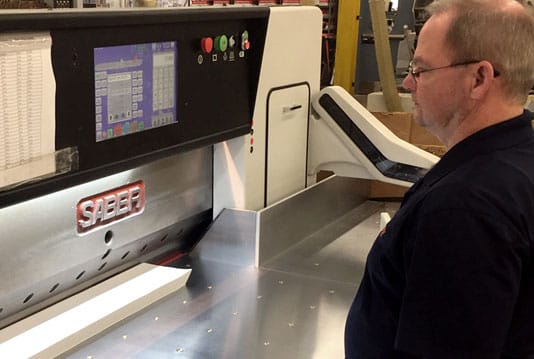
(135, 88)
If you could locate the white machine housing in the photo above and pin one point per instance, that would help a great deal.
(331, 149)
(289, 142)
(269, 164)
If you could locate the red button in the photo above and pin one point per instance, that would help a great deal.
(206, 44)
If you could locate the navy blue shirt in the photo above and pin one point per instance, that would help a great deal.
(452, 274)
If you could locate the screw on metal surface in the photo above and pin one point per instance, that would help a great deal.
(266, 343)
(210, 330)
(280, 282)
(180, 350)
(291, 324)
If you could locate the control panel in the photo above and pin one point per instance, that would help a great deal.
(133, 86)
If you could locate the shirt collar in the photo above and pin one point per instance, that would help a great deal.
(501, 135)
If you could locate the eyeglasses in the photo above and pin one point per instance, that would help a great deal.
(416, 73)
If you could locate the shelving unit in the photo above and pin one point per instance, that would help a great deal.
(419, 13)
(329, 9)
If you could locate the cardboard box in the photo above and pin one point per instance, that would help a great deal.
(403, 125)
(400, 123)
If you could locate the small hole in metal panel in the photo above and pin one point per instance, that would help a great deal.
(108, 237)
(125, 255)
(144, 248)
(102, 266)
(28, 298)
(106, 254)
(53, 288)
(80, 275)
(164, 238)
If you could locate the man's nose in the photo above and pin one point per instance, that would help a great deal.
(408, 83)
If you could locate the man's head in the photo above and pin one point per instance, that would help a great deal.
(499, 31)
(474, 64)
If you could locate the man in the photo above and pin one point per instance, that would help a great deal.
(452, 274)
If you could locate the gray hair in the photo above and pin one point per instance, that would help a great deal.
(494, 31)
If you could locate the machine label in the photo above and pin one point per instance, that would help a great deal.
(107, 207)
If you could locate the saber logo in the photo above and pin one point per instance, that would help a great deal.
(107, 207)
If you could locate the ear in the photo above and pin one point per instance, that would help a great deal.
(482, 80)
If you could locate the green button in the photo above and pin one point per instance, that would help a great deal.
(221, 43)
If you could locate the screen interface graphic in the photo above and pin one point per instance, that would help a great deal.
(135, 88)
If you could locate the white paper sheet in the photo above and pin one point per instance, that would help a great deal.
(27, 107)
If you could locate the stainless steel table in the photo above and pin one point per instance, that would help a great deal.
(292, 306)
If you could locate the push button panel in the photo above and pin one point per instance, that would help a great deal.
(223, 47)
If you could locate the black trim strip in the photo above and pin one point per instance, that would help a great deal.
(73, 18)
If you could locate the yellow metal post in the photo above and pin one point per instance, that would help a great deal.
(348, 14)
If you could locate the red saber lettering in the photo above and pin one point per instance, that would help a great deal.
(110, 206)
